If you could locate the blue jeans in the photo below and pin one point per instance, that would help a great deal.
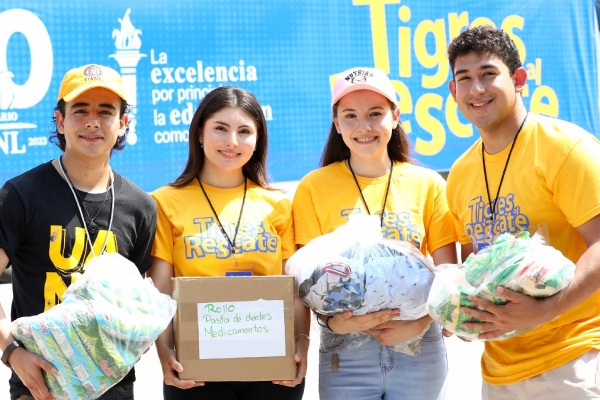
(124, 391)
(372, 371)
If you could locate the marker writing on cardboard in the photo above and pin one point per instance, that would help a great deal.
(222, 332)
(216, 309)
(216, 316)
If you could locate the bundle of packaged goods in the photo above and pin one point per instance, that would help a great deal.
(107, 319)
(516, 261)
(354, 268)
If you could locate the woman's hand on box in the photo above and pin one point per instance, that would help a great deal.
(347, 322)
(301, 358)
(394, 332)
(171, 367)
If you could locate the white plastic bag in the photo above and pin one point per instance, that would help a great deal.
(517, 262)
(354, 268)
(107, 319)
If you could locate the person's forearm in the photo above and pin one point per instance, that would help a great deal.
(6, 336)
(301, 318)
(165, 341)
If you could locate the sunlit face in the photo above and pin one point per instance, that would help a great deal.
(228, 139)
(91, 123)
(484, 89)
(365, 120)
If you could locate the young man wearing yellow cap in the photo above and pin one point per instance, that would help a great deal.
(58, 215)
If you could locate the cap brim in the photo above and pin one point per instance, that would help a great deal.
(81, 89)
(359, 86)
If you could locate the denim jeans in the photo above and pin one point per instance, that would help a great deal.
(372, 371)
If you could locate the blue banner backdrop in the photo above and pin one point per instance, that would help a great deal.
(172, 53)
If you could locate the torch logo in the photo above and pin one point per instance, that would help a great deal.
(128, 45)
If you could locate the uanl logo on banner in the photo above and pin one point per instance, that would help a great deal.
(14, 96)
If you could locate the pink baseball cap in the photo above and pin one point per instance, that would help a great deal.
(363, 78)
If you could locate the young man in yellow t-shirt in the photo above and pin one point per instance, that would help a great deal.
(527, 170)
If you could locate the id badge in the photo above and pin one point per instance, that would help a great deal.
(243, 270)
(238, 273)
(484, 240)
(482, 245)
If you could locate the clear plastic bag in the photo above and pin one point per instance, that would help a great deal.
(354, 268)
(518, 262)
(107, 319)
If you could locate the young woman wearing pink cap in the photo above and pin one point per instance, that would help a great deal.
(366, 168)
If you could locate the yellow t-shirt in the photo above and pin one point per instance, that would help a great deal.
(553, 177)
(188, 235)
(415, 211)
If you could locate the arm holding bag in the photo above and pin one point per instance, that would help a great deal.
(354, 268)
(518, 262)
(107, 319)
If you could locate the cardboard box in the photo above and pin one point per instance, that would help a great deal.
(235, 328)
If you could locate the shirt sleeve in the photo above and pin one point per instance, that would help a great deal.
(306, 221)
(450, 194)
(577, 183)
(12, 220)
(441, 230)
(141, 253)
(163, 239)
(285, 227)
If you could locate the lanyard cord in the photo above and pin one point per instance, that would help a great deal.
(387, 190)
(487, 188)
(237, 226)
(93, 226)
(112, 212)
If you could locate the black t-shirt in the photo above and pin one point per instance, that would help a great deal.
(41, 232)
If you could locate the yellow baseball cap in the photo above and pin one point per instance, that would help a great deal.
(82, 79)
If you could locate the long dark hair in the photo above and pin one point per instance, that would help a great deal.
(336, 150)
(216, 100)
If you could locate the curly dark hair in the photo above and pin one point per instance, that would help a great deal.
(59, 139)
(485, 39)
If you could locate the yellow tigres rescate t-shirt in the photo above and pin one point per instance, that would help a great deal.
(189, 238)
(415, 212)
(553, 177)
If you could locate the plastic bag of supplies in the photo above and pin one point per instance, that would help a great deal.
(354, 268)
(107, 319)
(518, 262)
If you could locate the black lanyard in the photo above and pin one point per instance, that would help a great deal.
(237, 226)
(387, 190)
(487, 188)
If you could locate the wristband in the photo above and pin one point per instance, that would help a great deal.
(321, 324)
(327, 323)
(9, 349)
